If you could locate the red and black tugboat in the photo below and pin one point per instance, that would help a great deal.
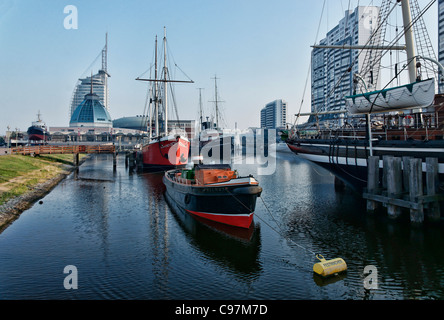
(214, 192)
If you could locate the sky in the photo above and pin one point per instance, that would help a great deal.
(258, 49)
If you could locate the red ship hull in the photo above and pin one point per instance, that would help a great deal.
(239, 220)
(166, 152)
(37, 134)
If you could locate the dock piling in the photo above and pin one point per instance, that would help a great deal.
(405, 172)
(394, 185)
(373, 181)
(76, 159)
(432, 182)
(385, 160)
(415, 186)
(403, 187)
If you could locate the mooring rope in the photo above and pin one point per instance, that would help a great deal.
(280, 231)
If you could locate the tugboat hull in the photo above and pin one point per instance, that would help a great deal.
(231, 204)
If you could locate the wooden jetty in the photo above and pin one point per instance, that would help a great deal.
(402, 186)
(133, 159)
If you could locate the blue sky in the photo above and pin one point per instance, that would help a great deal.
(260, 51)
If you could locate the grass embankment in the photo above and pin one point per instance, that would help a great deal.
(20, 174)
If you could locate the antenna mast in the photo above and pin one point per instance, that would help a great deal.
(105, 55)
(105, 70)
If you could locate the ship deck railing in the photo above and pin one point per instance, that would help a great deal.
(425, 125)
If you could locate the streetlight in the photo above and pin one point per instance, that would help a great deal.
(9, 137)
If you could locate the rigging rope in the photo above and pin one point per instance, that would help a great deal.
(309, 66)
(391, 44)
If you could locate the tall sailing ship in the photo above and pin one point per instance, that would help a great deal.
(164, 149)
(211, 136)
(404, 120)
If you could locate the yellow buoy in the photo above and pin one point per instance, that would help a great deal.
(326, 268)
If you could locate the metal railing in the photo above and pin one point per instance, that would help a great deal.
(35, 150)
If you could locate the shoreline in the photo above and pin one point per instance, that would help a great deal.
(13, 208)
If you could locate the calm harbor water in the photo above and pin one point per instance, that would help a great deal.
(128, 242)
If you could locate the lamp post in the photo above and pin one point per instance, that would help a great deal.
(8, 136)
(16, 137)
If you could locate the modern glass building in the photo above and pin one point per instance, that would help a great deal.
(91, 113)
(98, 80)
(274, 115)
(331, 78)
(441, 37)
(100, 84)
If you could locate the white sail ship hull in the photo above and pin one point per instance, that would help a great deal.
(415, 95)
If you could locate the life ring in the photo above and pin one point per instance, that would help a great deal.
(408, 121)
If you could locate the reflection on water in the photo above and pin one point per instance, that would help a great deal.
(233, 249)
(130, 242)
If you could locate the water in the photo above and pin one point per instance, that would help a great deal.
(127, 242)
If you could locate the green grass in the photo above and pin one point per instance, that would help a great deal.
(18, 190)
(13, 166)
(19, 174)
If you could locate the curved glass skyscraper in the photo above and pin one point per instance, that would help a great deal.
(99, 82)
(91, 113)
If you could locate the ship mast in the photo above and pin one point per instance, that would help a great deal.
(411, 57)
(165, 81)
(409, 40)
(200, 110)
(216, 101)
(156, 103)
(165, 85)
(217, 108)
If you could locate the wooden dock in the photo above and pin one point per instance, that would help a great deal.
(402, 186)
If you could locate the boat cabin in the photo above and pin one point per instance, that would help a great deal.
(203, 174)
